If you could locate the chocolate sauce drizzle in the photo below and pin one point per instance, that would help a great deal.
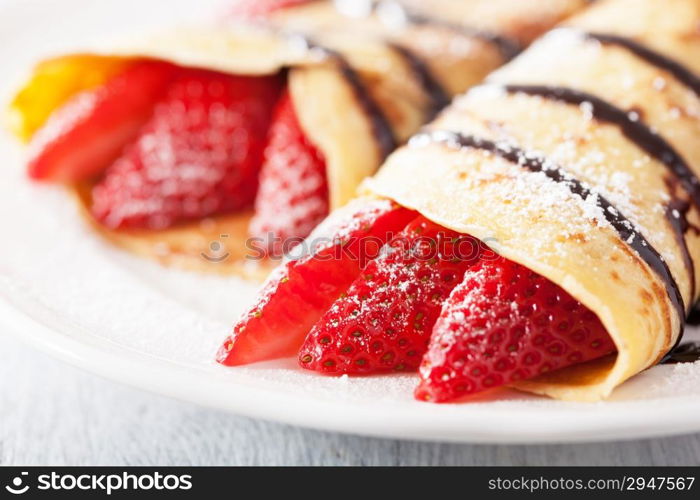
(635, 130)
(381, 127)
(688, 352)
(678, 70)
(435, 91)
(535, 163)
(694, 316)
(677, 215)
(507, 47)
(631, 126)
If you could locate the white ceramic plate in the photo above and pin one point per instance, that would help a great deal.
(67, 292)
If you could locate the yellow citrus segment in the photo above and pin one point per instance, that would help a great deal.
(53, 83)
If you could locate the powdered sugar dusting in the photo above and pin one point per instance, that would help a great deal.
(42, 229)
(534, 192)
(585, 147)
(56, 263)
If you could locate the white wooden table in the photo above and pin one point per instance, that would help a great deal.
(53, 414)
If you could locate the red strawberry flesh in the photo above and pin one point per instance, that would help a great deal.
(293, 195)
(87, 133)
(301, 290)
(503, 324)
(199, 154)
(251, 10)
(384, 321)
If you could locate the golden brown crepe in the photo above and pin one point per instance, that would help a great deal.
(578, 160)
(362, 83)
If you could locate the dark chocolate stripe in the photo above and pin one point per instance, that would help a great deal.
(694, 316)
(422, 73)
(647, 140)
(677, 215)
(381, 127)
(684, 353)
(632, 127)
(535, 163)
(681, 73)
(678, 70)
(507, 47)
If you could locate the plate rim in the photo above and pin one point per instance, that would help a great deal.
(28, 320)
(148, 372)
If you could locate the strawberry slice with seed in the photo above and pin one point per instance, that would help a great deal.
(253, 10)
(384, 321)
(199, 155)
(502, 324)
(301, 290)
(89, 131)
(293, 195)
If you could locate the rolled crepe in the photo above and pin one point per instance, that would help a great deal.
(579, 160)
(362, 81)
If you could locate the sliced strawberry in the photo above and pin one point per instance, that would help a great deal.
(384, 320)
(247, 10)
(199, 154)
(87, 133)
(293, 195)
(502, 324)
(299, 291)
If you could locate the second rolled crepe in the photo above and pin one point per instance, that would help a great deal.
(579, 160)
(361, 85)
